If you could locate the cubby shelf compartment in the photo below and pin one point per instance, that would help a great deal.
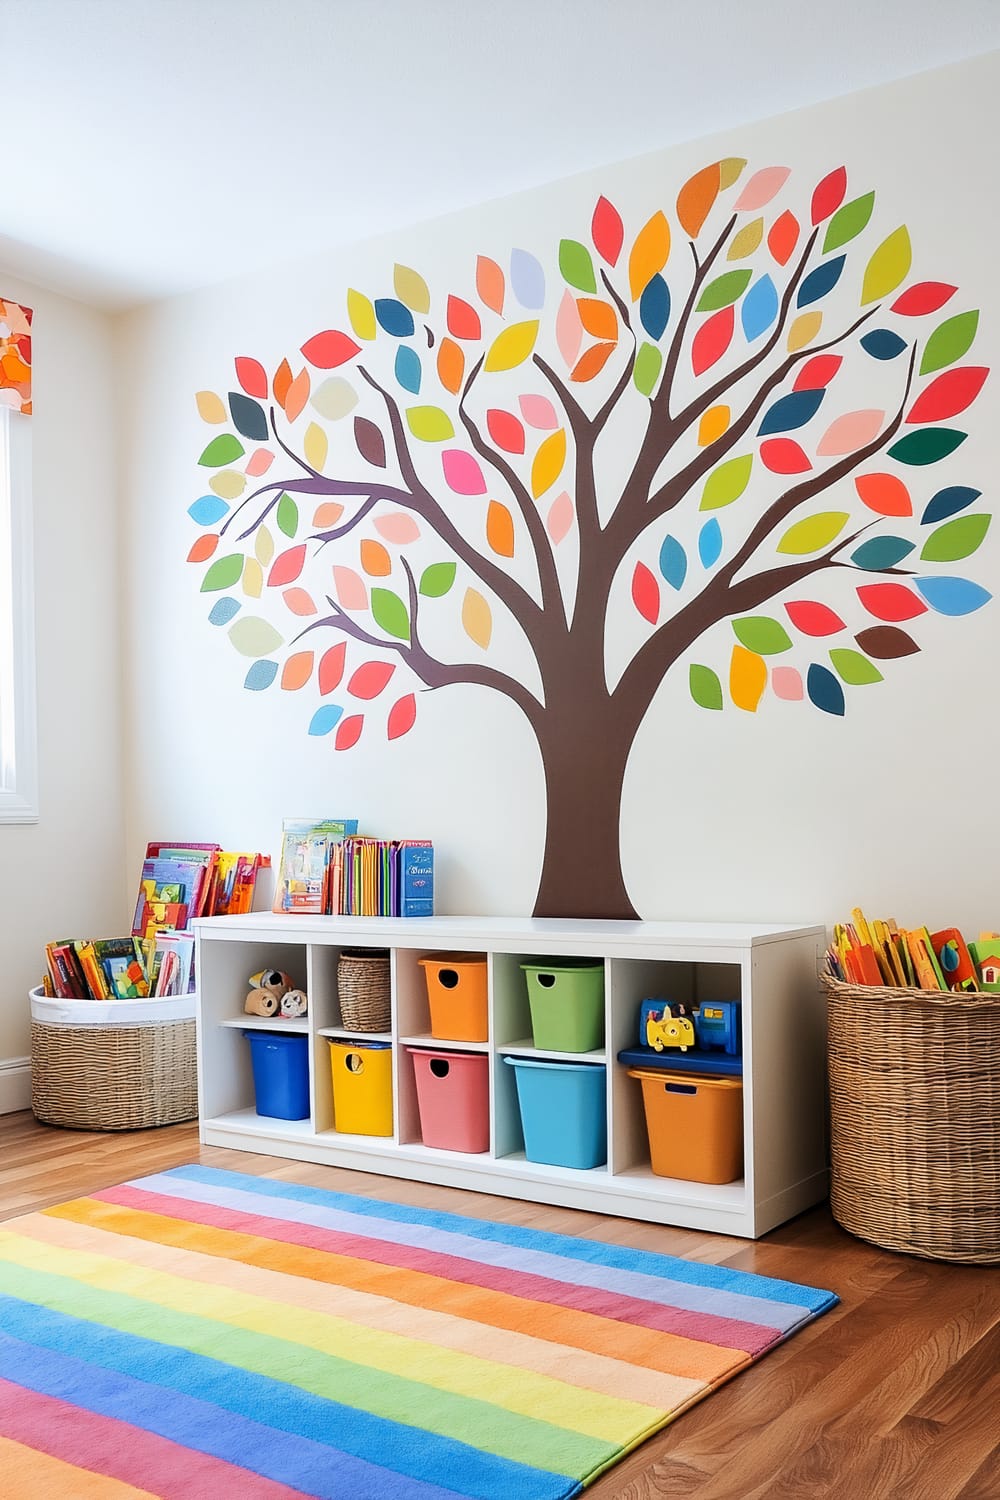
(771, 968)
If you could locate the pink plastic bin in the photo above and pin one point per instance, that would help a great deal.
(453, 1097)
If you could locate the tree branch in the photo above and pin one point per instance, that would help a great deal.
(626, 375)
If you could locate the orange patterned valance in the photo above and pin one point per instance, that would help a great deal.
(15, 356)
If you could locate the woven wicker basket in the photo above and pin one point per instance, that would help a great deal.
(915, 1119)
(363, 989)
(107, 1077)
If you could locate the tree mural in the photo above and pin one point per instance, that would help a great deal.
(598, 475)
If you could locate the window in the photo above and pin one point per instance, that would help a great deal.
(18, 768)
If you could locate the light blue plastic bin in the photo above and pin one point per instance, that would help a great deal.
(563, 1111)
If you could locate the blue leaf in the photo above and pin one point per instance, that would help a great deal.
(248, 417)
(654, 307)
(824, 690)
(882, 343)
(953, 596)
(260, 675)
(408, 369)
(527, 279)
(673, 562)
(948, 503)
(759, 308)
(881, 552)
(325, 718)
(394, 317)
(710, 543)
(207, 509)
(222, 612)
(820, 281)
(791, 411)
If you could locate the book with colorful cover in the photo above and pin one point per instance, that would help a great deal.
(302, 883)
(173, 964)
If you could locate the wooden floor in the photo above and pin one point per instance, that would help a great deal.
(895, 1392)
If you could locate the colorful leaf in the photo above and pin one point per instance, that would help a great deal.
(560, 518)
(947, 502)
(331, 668)
(746, 241)
(828, 195)
(394, 317)
(881, 552)
(673, 562)
(886, 643)
(397, 527)
(260, 676)
(791, 411)
(429, 424)
(783, 237)
(527, 279)
(287, 566)
(592, 362)
(287, 515)
(888, 266)
(411, 289)
(361, 314)
(928, 446)
(885, 494)
(511, 347)
(569, 329)
(853, 668)
(450, 366)
(712, 340)
(297, 395)
(804, 329)
(705, 687)
(505, 430)
(645, 593)
(350, 588)
(814, 533)
(436, 580)
(370, 442)
(924, 297)
(726, 483)
(820, 281)
(724, 290)
(646, 372)
(607, 231)
(598, 317)
(222, 450)
(402, 717)
(850, 433)
(348, 731)
(730, 171)
(252, 582)
(576, 266)
(654, 307)
(783, 456)
(325, 718)
(203, 548)
(315, 446)
(228, 483)
(297, 671)
(713, 424)
(500, 529)
(761, 188)
(848, 222)
(252, 377)
(786, 684)
(813, 618)
(953, 596)
(211, 408)
(761, 634)
(335, 398)
(207, 509)
(548, 463)
(649, 254)
(948, 395)
(263, 546)
(538, 412)
(490, 283)
(818, 372)
(329, 349)
(710, 543)
(759, 309)
(375, 560)
(252, 636)
(825, 692)
(249, 417)
(463, 320)
(462, 473)
(281, 383)
(327, 514)
(390, 613)
(747, 679)
(891, 601)
(477, 618)
(949, 341)
(223, 574)
(299, 602)
(259, 462)
(407, 369)
(696, 198)
(956, 539)
(370, 679)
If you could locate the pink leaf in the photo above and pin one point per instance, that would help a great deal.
(462, 473)
(787, 683)
(261, 460)
(350, 587)
(539, 412)
(299, 602)
(849, 433)
(560, 517)
(761, 188)
(569, 329)
(398, 528)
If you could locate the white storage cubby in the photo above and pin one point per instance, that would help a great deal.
(772, 969)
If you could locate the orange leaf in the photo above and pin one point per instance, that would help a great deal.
(375, 559)
(327, 514)
(598, 318)
(500, 529)
(450, 366)
(593, 362)
(463, 320)
(282, 380)
(696, 197)
(203, 548)
(490, 283)
(299, 602)
(297, 671)
(298, 395)
(713, 424)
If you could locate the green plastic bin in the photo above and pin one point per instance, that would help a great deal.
(567, 1004)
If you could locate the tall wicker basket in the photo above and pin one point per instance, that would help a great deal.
(363, 989)
(915, 1119)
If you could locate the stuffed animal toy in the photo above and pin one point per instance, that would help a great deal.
(273, 980)
(294, 1003)
(261, 1002)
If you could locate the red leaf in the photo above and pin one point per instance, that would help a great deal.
(645, 593)
(203, 548)
(592, 362)
(817, 373)
(349, 731)
(885, 494)
(329, 349)
(712, 340)
(783, 456)
(463, 320)
(401, 717)
(252, 377)
(369, 679)
(505, 430)
(782, 237)
(608, 231)
(890, 601)
(948, 395)
(813, 618)
(286, 567)
(925, 297)
(829, 195)
(331, 668)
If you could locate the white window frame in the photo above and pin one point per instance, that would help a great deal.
(18, 724)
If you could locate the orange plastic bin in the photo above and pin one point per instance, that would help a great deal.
(456, 993)
(453, 1098)
(695, 1124)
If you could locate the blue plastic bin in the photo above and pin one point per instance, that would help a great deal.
(563, 1111)
(280, 1074)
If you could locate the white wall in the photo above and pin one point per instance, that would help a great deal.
(64, 875)
(782, 814)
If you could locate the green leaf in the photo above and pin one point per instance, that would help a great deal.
(726, 483)
(436, 580)
(222, 450)
(724, 290)
(648, 363)
(853, 668)
(761, 634)
(706, 689)
(949, 341)
(576, 265)
(848, 222)
(927, 446)
(887, 267)
(430, 424)
(224, 573)
(814, 533)
(390, 613)
(955, 539)
(253, 636)
(288, 515)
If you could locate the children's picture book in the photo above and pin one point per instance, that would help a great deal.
(302, 883)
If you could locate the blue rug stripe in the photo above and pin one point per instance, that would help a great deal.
(594, 1252)
(411, 1456)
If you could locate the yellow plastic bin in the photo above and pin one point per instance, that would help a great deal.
(456, 994)
(362, 1086)
(695, 1124)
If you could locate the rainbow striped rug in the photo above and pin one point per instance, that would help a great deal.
(201, 1333)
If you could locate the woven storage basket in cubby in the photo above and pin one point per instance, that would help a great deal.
(915, 1119)
(363, 989)
(92, 1071)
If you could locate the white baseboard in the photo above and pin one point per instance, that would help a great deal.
(15, 1084)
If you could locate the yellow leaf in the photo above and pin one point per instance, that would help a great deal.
(362, 315)
(375, 559)
(500, 529)
(548, 462)
(314, 446)
(729, 170)
(747, 678)
(804, 330)
(211, 408)
(411, 288)
(228, 483)
(512, 347)
(253, 578)
(649, 254)
(477, 619)
(712, 425)
(264, 546)
(887, 267)
(746, 242)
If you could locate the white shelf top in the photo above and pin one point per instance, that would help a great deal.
(267, 1023)
(527, 1048)
(439, 1044)
(248, 1121)
(361, 1037)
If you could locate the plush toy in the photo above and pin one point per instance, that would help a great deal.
(294, 1003)
(272, 980)
(261, 1002)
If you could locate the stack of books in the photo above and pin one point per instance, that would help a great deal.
(327, 869)
(882, 953)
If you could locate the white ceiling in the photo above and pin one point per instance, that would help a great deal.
(148, 146)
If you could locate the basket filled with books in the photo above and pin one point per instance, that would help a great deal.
(913, 1026)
